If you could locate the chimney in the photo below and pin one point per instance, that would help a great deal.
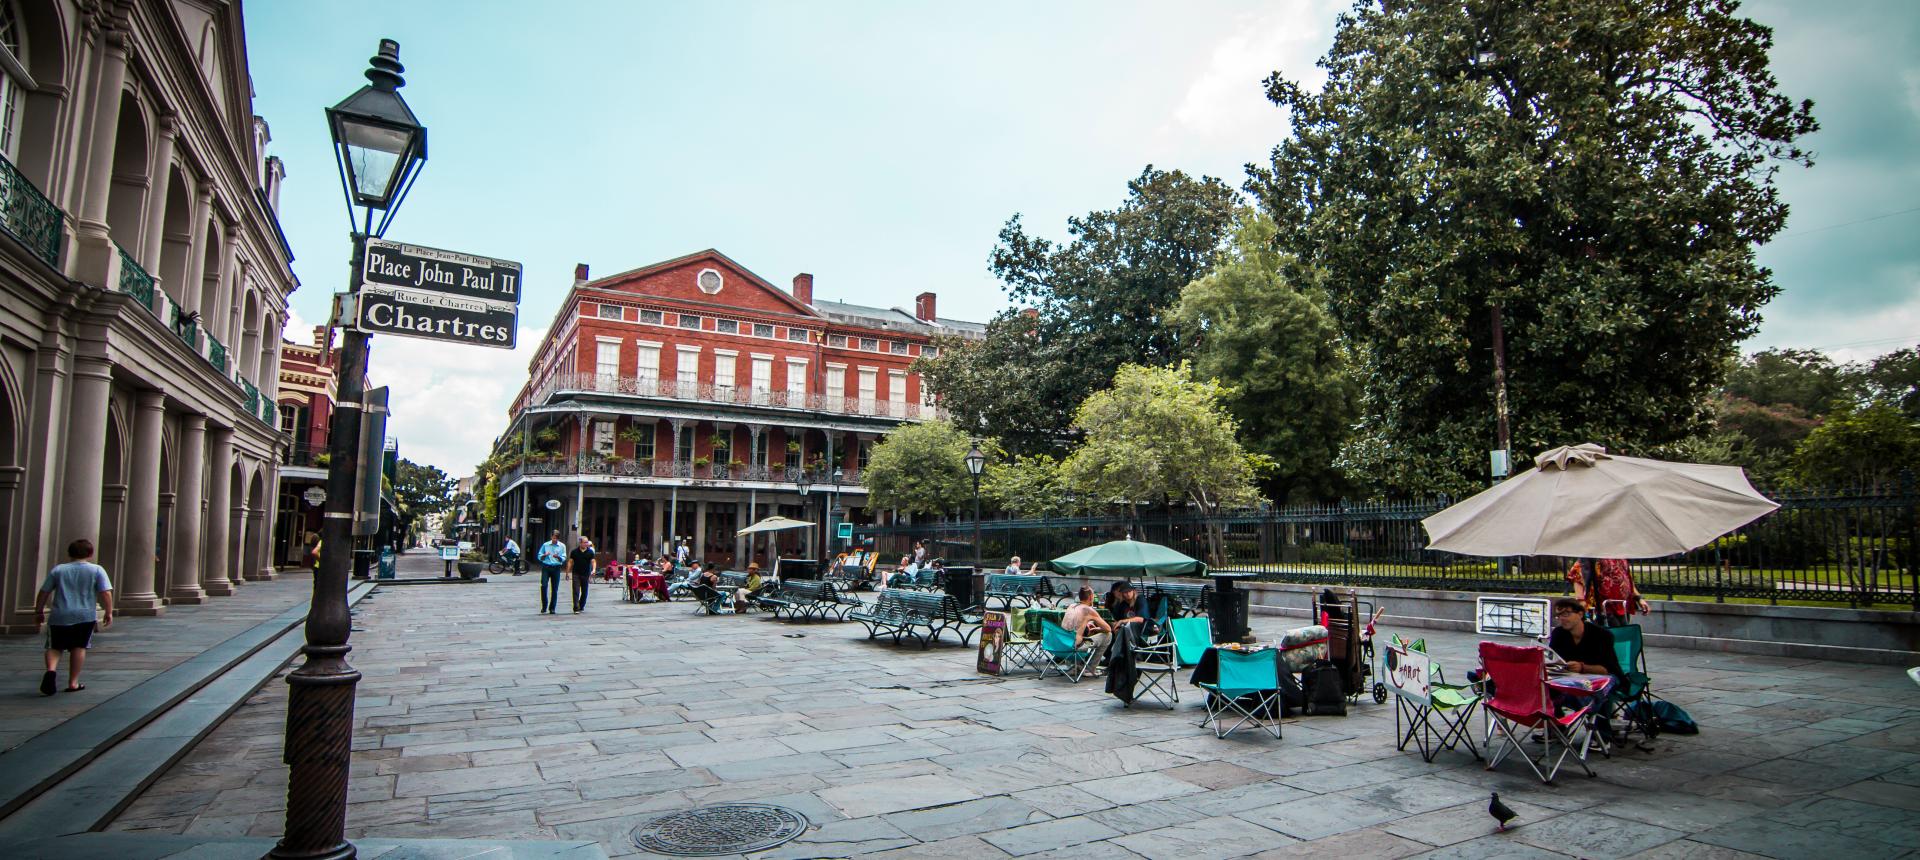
(1030, 313)
(923, 307)
(579, 274)
(320, 337)
(276, 176)
(803, 288)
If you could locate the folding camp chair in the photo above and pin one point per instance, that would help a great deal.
(1520, 703)
(1633, 700)
(1154, 665)
(1191, 639)
(1020, 650)
(1449, 705)
(1247, 683)
(1056, 646)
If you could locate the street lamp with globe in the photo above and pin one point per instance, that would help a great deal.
(380, 147)
(976, 463)
(806, 484)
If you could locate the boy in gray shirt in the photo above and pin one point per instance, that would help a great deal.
(72, 588)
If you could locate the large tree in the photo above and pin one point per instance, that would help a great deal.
(1596, 171)
(1161, 437)
(1806, 379)
(1895, 378)
(920, 469)
(421, 489)
(1084, 307)
(1277, 350)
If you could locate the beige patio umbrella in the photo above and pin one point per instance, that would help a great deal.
(773, 524)
(1581, 502)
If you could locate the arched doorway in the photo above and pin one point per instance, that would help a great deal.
(113, 502)
(236, 524)
(127, 199)
(257, 537)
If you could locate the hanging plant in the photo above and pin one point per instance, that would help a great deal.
(632, 433)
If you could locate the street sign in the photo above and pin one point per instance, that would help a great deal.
(449, 553)
(315, 496)
(466, 545)
(553, 504)
(429, 293)
(846, 531)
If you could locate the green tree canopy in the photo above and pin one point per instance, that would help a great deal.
(1807, 380)
(1161, 436)
(1599, 170)
(1098, 301)
(421, 489)
(1895, 378)
(1868, 445)
(1277, 351)
(920, 469)
(1027, 486)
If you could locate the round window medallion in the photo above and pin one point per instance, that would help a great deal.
(710, 281)
(726, 828)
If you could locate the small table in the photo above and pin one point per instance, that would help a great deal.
(642, 580)
(1594, 689)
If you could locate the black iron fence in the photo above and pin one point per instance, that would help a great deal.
(1849, 545)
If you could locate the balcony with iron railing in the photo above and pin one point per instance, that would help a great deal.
(305, 454)
(136, 282)
(662, 388)
(29, 216)
(572, 465)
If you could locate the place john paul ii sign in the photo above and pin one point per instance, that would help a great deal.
(439, 295)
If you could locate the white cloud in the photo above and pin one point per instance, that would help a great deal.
(1226, 98)
(449, 401)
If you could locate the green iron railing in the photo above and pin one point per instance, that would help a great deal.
(186, 327)
(29, 215)
(252, 396)
(135, 281)
(216, 353)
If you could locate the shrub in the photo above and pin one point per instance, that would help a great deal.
(1325, 553)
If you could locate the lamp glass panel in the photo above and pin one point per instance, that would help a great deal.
(373, 157)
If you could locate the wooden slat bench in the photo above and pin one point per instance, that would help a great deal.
(902, 612)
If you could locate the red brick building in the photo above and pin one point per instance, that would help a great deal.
(305, 412)
(690, 398)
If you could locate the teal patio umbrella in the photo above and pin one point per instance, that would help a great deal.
(1128, 558)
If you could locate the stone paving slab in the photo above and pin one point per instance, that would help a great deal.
(479, 717)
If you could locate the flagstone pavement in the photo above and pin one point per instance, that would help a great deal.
(478, 717)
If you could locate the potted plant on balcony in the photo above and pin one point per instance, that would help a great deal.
(643, 464)
(632, 433)
(322, 459)
(547, 437)
(701, 462)
(793, 446)
(614, 459)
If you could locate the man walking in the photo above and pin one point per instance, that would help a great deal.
(552, 556)
(580, 562)
(72, 588)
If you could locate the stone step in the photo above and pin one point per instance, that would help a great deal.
(156, 846)
(101, 759)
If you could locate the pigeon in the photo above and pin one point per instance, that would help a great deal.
(1500, 812)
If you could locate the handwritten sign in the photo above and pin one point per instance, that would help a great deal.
(1513, 616)
(1408, 674)
(993, 643)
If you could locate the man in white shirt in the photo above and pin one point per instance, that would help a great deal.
(1013, 567)
(511, 552)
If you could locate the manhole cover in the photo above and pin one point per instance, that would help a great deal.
(726, 828)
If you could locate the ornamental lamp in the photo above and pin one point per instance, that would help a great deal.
(378, 141)
(976, 461)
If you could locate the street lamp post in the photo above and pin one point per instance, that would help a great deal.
(833, 510)
(976, 462)
(380, 146)
(806, 484)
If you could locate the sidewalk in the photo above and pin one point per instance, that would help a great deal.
(132, 651)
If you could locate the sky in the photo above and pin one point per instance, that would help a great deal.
(880, 146)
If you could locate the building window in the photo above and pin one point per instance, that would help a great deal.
(898, 347)
(866, 452)
(869, 388)
(722, 446)
(723, 369)
(612, 312)
(12, 88)
(929, 352)
(836, 386)
(760, 448)
(762, 374)
(727, 326)
(837, 340)
(684, 454)
(689, 321)
(643, 446)
(603, 437)
(686, 372)
(651, 317)
(870, 344)
(797, 335)
(897, 393)
(796, 381)
(649, 365)
(762, 330)
(794, 446)
(289, 418)
(606, 361)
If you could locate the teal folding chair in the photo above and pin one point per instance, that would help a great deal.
(1056, 645)
(1191, 639)
(1633, 698)
(1246, 684)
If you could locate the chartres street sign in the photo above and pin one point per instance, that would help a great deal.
(429, 293)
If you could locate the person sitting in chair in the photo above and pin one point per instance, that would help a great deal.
(1088, 628)
(706, 586)
(1123, 603)
(741, 596)
(1586, 648)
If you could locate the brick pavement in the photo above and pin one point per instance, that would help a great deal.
(478, 717)
(132, 651)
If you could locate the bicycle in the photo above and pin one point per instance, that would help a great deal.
(502, 563)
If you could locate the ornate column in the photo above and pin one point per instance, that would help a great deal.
(113, 515)
(160, 173)
(97, 261)
(216, 580)
(184, 573)
(86, 443)
(196, 271)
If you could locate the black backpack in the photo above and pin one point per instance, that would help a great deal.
(1326, 695)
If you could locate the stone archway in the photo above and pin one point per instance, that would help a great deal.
(236, 523)
(127, 197)
(259, 533)
(43, 40)
(163, 523)
(15, 575)
(113, 503)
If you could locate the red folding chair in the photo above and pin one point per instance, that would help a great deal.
(1520, 704)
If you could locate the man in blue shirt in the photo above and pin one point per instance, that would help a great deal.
(552, 556)
(72, 588)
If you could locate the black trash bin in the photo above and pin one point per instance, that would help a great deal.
(1227, 610)
(960, 584)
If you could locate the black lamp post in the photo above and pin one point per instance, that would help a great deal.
(976, 462)
(806, 483)
(380, 147)
(833, 526)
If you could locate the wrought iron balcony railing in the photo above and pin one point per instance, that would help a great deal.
(135, 281)
(186, 327)
(30, 216)
(216, 353)
(595, 464)
(661, 387)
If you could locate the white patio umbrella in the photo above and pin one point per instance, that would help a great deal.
(774, 524)
(1579, 501)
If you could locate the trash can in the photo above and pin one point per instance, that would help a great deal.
(960, 584)
(387, 566)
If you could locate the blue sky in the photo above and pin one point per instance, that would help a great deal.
(880, 146)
